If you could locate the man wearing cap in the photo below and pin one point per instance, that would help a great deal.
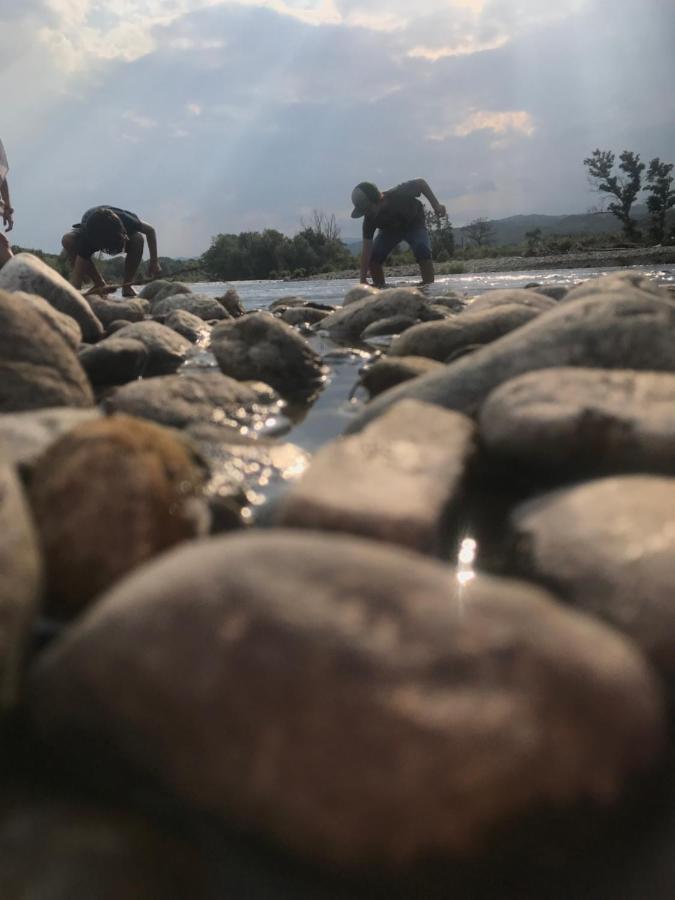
(397, 215)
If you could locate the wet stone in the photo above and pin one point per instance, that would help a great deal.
(166, 349)
(608, 548)
(349, 322)
(300, 315)
(579, 422)
(440, 340)
(168, 289)
(197, 397)
(396, 481)
(392, 370)
(262, 348)
(188, 325)
(360, 292)
(109, 530)
(392, 325)
(348, 699)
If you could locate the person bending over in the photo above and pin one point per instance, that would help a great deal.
(5, 208)
(397, 215)
(113, 231)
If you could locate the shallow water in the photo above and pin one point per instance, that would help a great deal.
(335, 405)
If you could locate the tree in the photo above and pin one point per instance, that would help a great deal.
(480, 231)
(534, 241)
(625, 188)
(440, 234)
(661, 197)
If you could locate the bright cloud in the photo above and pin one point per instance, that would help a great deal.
(464, 48)
(498, 122)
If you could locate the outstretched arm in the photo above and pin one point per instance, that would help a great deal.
(7, 211)
(151, 235)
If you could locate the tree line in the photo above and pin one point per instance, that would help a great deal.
(625, 185)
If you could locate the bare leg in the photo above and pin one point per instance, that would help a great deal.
(132, 262)
(426, 270)
(377, 271)
(68, 244)
(5, 250)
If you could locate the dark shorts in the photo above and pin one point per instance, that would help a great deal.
(417, 238)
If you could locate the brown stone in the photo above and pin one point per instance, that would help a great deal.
(107, 496)
(353, 700)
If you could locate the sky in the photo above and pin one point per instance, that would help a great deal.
(221, 116)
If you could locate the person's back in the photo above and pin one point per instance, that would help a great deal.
(5, 207)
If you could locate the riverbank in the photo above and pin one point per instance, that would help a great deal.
(606, 258)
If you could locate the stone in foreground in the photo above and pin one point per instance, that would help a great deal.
(576, 421)
(107, 496)
(352, 700)
(396, 481)
(608, 548)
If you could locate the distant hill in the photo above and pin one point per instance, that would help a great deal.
(512, 229)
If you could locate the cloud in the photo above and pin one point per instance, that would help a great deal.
(499, 122)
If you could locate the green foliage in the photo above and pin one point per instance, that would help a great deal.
(441, 235)
(270, 254)
(661, 197)
(625, 188)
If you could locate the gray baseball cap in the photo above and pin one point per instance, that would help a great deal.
(363, 195)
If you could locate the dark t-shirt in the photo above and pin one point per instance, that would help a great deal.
(83, 243)
(398, 212)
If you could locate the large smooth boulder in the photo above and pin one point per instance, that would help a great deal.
(440, 340)
(352, 700)
(20, 581)
(621, 331)
(349, 322)
(608, 548)
(129, 490)
(166, 348)
(25, 272)
(38, 366)
(259, 347)
(579, 422)
(196, 397)
(396, 481)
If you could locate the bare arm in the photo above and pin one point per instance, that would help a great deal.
(85, 269)
(7, 211)
(151, 235)
(366, 250)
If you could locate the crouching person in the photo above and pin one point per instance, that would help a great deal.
(113, 231)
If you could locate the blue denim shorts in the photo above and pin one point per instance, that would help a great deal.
(417, 238)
